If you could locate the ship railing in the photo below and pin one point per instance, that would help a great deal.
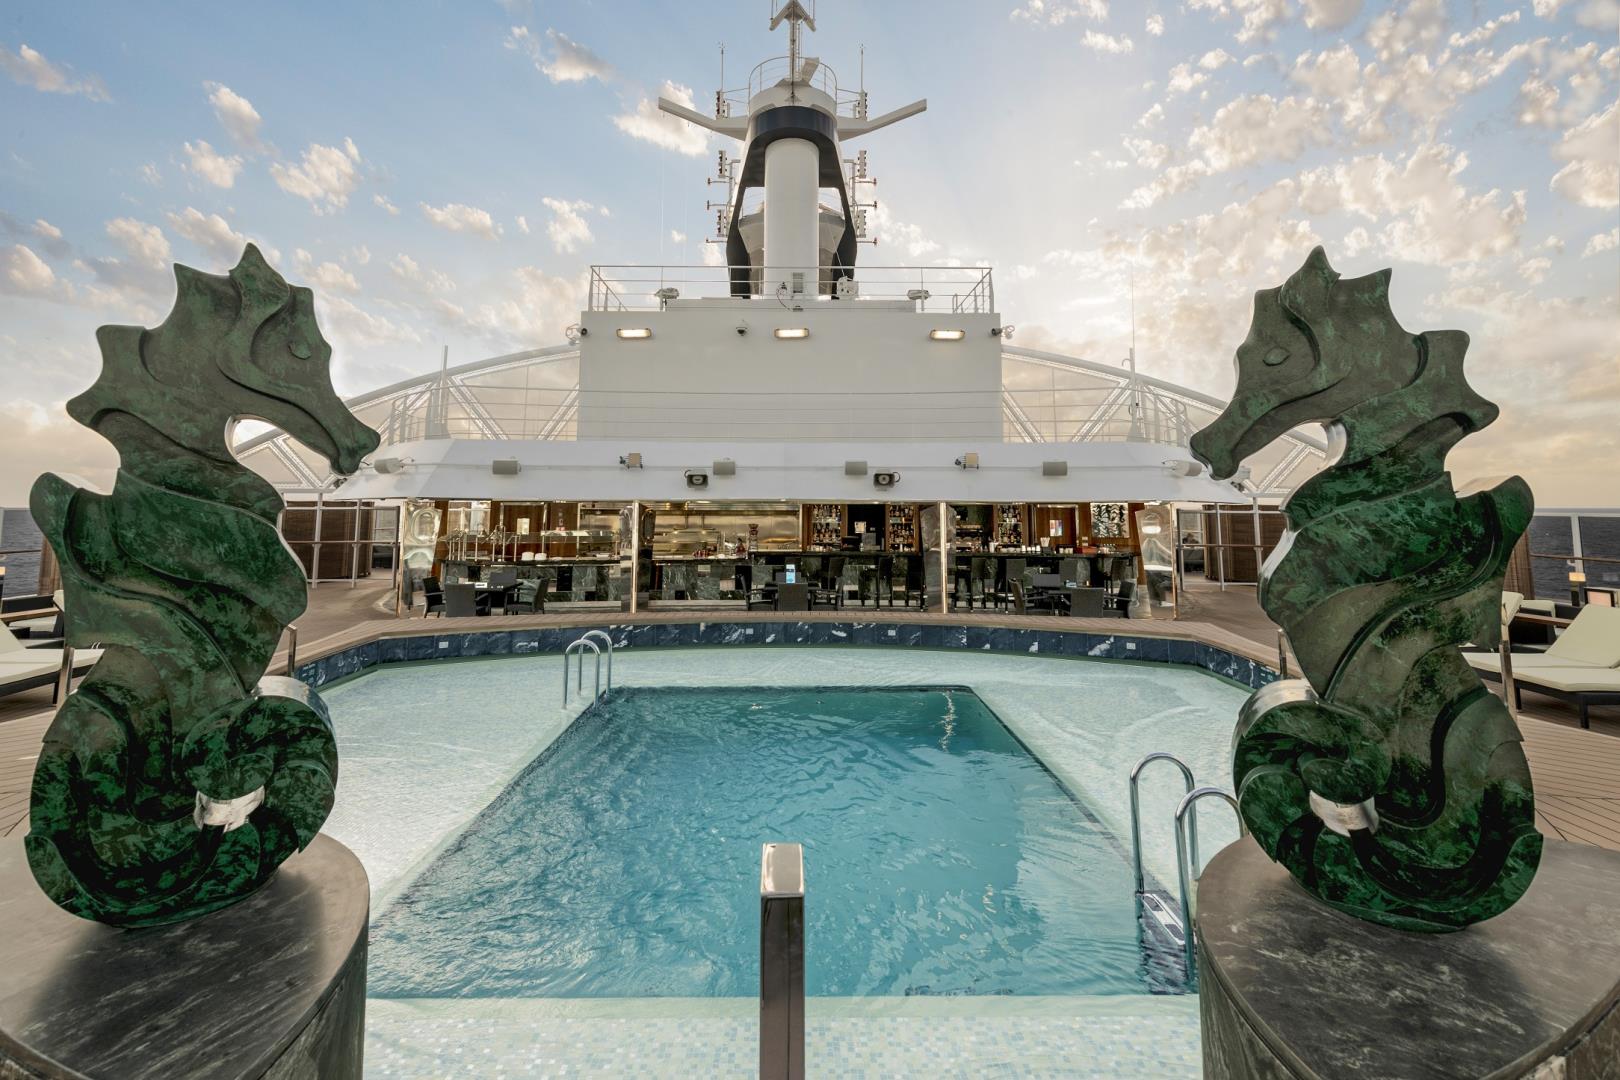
(955, 289)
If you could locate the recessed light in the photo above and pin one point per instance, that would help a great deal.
(635, 333)
(947, 335)
(793, 333)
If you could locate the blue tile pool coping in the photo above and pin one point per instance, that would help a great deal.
(552, 640)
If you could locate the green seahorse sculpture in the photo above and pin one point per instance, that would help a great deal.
(1389, 781)
(177, 778)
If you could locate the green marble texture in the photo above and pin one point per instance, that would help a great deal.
(181, 576)
(1389, 781)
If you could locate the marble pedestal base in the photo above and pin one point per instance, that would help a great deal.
(1292, 990)
(273, 987)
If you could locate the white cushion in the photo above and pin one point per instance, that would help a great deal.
(1574, 680)
(35, 626)
(8, 641)
(1593, 638)
(1538, 607)
(1511, 602)
(1489, 661)
(14, 672)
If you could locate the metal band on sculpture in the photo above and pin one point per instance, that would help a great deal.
(177, 778)
(1389, 781)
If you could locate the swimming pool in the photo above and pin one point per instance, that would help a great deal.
(428, 747)
(943, 858)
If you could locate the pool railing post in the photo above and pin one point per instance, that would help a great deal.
(781, 962)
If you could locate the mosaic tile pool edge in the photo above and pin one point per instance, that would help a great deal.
(552, 640)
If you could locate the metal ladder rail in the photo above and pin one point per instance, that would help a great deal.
(608, 641)
(1189, 874)
(580, 645)
(1136, 810)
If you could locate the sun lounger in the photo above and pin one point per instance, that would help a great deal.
(1582, 687)
(1591, 641)
(22, 668)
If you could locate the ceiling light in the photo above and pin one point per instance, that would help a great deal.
(792, 333)
(635, 333)
(947, 335)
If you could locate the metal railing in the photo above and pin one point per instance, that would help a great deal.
(1136, 808)
(579, 645)
(1188, 872)
(939, 289)
(781, 962)
(602, 636)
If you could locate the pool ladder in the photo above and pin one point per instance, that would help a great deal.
(585, 641)
(1153, 901)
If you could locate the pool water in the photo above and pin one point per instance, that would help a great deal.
(941, 858)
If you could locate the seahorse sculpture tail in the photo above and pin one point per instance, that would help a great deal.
(176, 779)
(1389, 781)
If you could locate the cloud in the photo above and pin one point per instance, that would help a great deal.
(1592, 149)
(1214, 60)
(408, 271)
(567, 229)
(347, 325)
(522, 224)
(1331, 14)
(36, 438)
(533, 306)
(28, 67)
(461, 218)
(205, 164)
(667, 132)
(210, 232)
(150, 174)
(1058, 12)
(326, 176)
(1107, 43)
(1155, 25)
(564, 59)
(386, 204)
(240, 119)
(142, 242)
(47, 236)
(326, 277)
(23, 273)
(1183, 78)
(1601, 242)
(1260, 17)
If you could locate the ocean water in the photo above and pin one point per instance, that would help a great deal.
(17, 533)
(941, 858)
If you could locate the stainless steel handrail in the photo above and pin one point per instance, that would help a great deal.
(1189, 875)
(580, 646)
(1136, 808)
(781, 962)
(602, 636)
(292, 649)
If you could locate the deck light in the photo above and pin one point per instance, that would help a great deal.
(505, 467)
(725, 467)
(635, 333)
(387, 465)
(630, 461)
(969, 460)
(854, 468)
(947, 335)
(792, 333)
(668, 293)
(1054, 468)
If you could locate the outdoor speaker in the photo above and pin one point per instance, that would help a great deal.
(725, 467)
(506, 466)
(854, 468)
(387, 465)
(695, 479)
(885, 479)
(1054, 468)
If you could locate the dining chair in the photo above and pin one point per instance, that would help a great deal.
(795, 597)
(463, 602)
(433, 593)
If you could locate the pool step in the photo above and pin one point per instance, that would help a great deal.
(1164, 940)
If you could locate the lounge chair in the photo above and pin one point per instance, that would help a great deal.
(22, 668)
(1582, 687)
(1591, 641)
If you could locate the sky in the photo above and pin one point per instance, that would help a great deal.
(443, 174)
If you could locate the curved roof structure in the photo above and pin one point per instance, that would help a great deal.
(1046, 398)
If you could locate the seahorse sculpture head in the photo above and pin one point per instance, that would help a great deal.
(1388, 781)
(178, 777)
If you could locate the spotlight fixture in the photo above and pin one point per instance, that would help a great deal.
(1184, 468)
(885, 479)
(573, 332)
(696, 478)
(668, 293)
(634, 333)
(1054, 468)
(1002, 332)
(505, 467)
(388, 465)
(792, 333)
(969, 460)
(947, 335)
(917, 296)
(630, 461)
(725, 467)
(854, 468)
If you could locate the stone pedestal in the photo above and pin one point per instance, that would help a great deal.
(1292, 990)
(273, 987)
